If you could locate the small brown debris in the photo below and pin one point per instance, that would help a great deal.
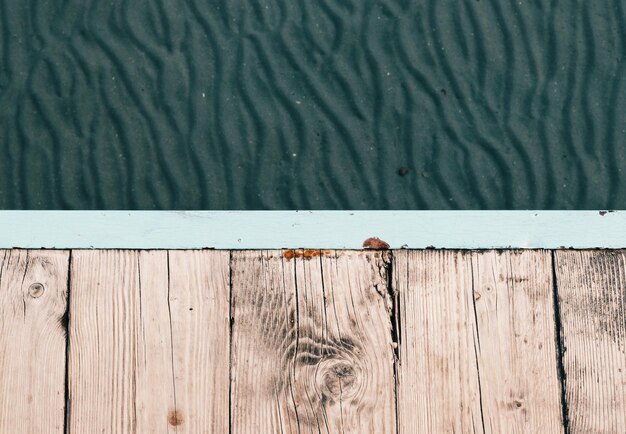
(403, 171)
(375, 244)
(306, 254)
(175, 418)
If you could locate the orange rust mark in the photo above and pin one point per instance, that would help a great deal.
(306, 254)
(375, 243)
(175, 418)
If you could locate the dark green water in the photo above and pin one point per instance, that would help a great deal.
(323, 104)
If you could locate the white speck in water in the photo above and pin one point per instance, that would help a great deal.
(203, 95)
(298, 102)
(294, 154)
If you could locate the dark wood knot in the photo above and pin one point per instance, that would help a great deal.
(36, 290)
(339, 379)
(329, 378)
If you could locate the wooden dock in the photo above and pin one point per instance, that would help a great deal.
(312, 341)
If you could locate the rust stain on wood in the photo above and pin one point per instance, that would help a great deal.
(305, 253)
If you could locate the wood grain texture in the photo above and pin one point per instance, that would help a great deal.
(438, 386)
(477, 342)
(33, 300)
(516, 336)
(141, 327)
(154, 387)
(308, 339)
(200, 318)
(592, 294)
(311, 343)
(104, 337)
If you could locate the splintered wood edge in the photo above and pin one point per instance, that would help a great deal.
(251, 230)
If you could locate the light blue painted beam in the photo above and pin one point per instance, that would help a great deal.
(311, 229)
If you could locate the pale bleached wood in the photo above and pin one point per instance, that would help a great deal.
(200, 316)
(154, 388)
(477, 342)
(438, 384)
(311, 343)
(140, 330)
(32, 340)
(104, 336)
(592, 293)
(517, 357)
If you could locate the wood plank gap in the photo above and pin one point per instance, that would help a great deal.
(394, 319)
(66, 325)
(560, 346)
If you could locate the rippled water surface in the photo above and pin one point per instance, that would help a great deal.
(314, 104)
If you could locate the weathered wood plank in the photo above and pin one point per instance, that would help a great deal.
(592, 294)
(33, 300)
(141, 327)
(311, 343)
(517, 358)
(104, 336)
(477, 342)
(154, 388)
(438, 385)
(200, 317)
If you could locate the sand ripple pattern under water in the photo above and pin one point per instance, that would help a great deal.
(312, 104)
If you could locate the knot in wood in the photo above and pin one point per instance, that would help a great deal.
(339, 380)
(36, 290)
(328, 381)
(175, 418)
